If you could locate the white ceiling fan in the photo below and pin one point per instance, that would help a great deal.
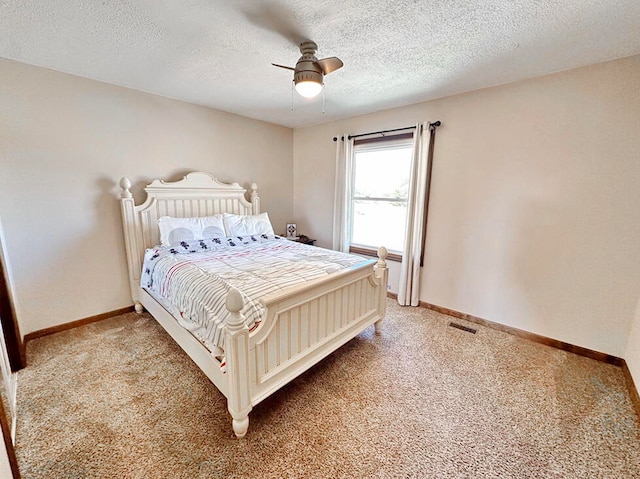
(309, 72)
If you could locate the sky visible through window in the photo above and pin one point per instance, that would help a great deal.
(381, 183)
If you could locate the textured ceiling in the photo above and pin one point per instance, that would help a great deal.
(218, 53)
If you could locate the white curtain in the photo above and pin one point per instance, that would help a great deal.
(342, 200)
(409, 286)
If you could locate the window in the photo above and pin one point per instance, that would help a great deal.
(379, 192)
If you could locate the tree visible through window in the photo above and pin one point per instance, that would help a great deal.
(379, 194)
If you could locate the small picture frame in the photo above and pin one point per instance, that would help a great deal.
(292, 230)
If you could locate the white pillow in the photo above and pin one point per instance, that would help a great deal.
(247, 225)
(175, 230)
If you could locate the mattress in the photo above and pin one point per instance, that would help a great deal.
(192, 279)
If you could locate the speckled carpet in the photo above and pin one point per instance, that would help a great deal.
(119, 399)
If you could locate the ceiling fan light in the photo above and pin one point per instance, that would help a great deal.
(308, 88)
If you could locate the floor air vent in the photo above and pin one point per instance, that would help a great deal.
(463, 328)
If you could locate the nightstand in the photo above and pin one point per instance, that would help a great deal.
(301, 239)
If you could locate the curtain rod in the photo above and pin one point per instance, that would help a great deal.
(434, 124)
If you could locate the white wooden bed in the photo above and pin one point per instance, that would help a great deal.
(302, 324)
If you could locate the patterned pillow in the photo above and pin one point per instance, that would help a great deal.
(176, 230)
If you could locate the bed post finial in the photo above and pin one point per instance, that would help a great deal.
(234, 304)
(255, 199)
(382, 257)
(236, 346)
(125, 184)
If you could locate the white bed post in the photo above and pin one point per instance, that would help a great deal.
(237, 358)
(382, 274)
(128, 208)
(255, 199)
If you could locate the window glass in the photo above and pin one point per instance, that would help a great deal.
(379, 193)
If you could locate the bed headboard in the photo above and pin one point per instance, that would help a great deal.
(197, 194)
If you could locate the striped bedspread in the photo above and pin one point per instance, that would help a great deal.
(192, 279)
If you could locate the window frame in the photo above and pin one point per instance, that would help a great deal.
(392, 142)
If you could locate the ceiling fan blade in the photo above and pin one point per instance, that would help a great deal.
(282, 66)
(328, 65)
(277, 18)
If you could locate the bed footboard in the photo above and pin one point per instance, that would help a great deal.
(302, 325)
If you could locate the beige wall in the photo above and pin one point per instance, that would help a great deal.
(632, 356)
(534, 206)
(535, 200)
(65, 142)
(5, 465)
